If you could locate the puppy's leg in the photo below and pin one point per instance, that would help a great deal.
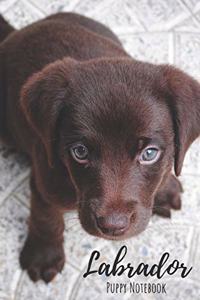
(43, 254)
(168, 197)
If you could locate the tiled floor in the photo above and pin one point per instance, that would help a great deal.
(152, 30)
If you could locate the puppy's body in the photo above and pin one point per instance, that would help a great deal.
(102, 131)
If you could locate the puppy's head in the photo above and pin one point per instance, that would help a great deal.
(117, 126)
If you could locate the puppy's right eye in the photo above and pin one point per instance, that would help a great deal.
(79, 152)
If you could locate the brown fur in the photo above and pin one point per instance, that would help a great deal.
(67, 79)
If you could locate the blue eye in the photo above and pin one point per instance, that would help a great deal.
(149, 155)
(80, 153)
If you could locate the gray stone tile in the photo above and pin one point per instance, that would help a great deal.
(88, 7)
(159, 15)
(151, 47)
(59, 289)
(22, 13)
(13, 168)
(180, 289)
(13, 218)
(187, 48)
(190, 201)
(22, 192)
(197, 15)
(191, 24)
(54, 6)
(192, 160)
(194, 5)
(160, 236)
(194, 255)
(121, 23)
(5, 4)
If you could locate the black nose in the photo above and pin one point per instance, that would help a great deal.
(113, 224)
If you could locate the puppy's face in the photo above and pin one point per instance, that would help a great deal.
(117, 144)
(118, 126)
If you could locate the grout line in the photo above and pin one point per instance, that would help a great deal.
(21, 201)
(18, 284)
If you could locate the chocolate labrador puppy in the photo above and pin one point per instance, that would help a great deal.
(102, 131)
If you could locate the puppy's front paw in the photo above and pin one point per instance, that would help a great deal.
(42, 260)
(168, 198)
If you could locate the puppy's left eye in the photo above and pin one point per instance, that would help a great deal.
(80, 153)
(149, 155)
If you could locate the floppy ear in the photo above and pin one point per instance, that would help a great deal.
(183, 98)
(43, 98)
